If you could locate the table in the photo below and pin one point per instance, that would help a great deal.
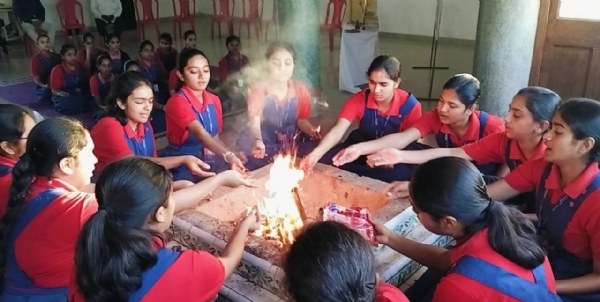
(357, 51)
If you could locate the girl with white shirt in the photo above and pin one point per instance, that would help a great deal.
(108, 16)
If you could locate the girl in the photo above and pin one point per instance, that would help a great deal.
(566, 182)
(46, 211)
(278, 111)
(165, 53)
(41, 67)
(497, 257)
(119, 57)
(382, 109)
(190, 39)
(315, 271)
(132, 65)
(137, 209)
(89, 54)
(234, 61)
(69, 82)
(100, 83)
(194, 120)
(15, 124)
(155, 72)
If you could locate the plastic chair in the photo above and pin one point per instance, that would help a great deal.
(222, 15)
(183, 14)
(145, 15)
(272, 21)
(333, 19)
(254, 15)
(70, 13)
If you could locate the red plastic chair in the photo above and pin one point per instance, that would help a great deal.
(333, 19)
(272, 21)
(221, 14)
(253, 16)
(70, 13)
(184, 11)
(146, 13)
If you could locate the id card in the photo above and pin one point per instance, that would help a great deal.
(209, 156)
(240, 83)
(155, 87)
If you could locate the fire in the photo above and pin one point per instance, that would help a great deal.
(281, 216)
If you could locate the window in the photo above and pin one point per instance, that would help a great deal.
(579, 9)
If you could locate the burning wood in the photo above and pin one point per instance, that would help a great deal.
(299, 204)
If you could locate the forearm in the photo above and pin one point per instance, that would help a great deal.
(232, 255)
(430, 256)
(36, 80)
(331, 139)
(423, 156)
(188, 197)
(305, 126)
(254, 130)
(395, 140)
(584, 284)
(57, 92)
(169, 162)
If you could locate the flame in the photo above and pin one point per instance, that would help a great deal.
(319, 129)
(281, 217)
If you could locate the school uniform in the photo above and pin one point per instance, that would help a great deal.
(42, 65)
(228, 65)
(204, 276)
(403, 113)
(568, 218)
(118, 61)
(76, 84)
(41, 247)
(100, 87)
(182, 109)
(389, 293)
(82, 56)
(279, 129)
(6, 166)
(155, 73)
(174, 82)
(167, 57)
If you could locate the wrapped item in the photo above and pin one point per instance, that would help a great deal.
(354, 218)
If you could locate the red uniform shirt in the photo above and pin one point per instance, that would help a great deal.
(95, 83)
(194, 276)
(389, 293)
(224, 66)
(45, 250)
(35, 66)
(174, 81)
(455, 287)
(180, 113)
(491, 149)
(5, 182)
(581, 237)
(258, 93)
(110, 143)
(57, 80)
(355, 108)
(430, 123)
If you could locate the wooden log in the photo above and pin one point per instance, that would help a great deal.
(299, 204)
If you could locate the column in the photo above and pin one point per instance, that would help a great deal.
(299, 24)
(504, 50)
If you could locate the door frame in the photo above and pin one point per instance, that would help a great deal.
(540, 43)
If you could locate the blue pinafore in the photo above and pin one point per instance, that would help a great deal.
(18, 286)
(104, 90)
(524, 201)
(79, 99)
(44, 95)
(161, 95)
(144, 147)
(192, 146)
(166, 258)
(553, 220)
(5, 170)
(373, 126)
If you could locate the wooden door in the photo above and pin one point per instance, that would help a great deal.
(567, 51)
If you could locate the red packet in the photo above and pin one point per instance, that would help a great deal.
(354, 218)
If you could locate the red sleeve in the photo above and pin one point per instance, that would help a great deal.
(89, 207)
(494, 125)
(173, 80)
(454, 288)
(94, 86)
(428, 123)
(223, 70)
(581, 236)
(389, 293)
(304, 103)
(525, 177)
(219, 110)
(178, 111)
(81, 57)
(489, 149)
(354, 107)
(204, 264)
(57, 80)
(256, 101)
(109, 138)
(35, 66)
(413, 116)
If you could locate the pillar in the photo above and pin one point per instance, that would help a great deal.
(504, 50)
(299, 24)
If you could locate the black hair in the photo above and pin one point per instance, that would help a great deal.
(65, 48)
(114, 248)
(467, 87)
(460, 192)
(87, 35)
(101, 58)
(130, 63)
(540, 101)
(188, 33)
(186, 55)
(389, 64)
(40, 37)
(12, 123)
(144, 44)
(583, 117)
(231, 39)
(330, 262)
(121, 88)
(280, 45)
(50, 141)
(110, 37)
(167, 37)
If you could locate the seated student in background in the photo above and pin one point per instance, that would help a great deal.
(194, 120)
(69, 82)
(190, 37)
(89, 54)
(132, 65)
(155, 72)
(137, 209)
(455, 122)
(46, 211)
(166, 53)
(381, 109)
(174, 82)
(15, 124)
(119, 57)
(278, 111)
(496, 258)
(234, 61)
(331, 262)
(41, 67)
(566, 182)
(100, 83)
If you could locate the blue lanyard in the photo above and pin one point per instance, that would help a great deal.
(150, 74)
(209, 129)
(287, 111)
(378, 133)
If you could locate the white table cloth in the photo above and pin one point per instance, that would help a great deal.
(357, 51)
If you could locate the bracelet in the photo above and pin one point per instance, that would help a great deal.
(227, 154)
